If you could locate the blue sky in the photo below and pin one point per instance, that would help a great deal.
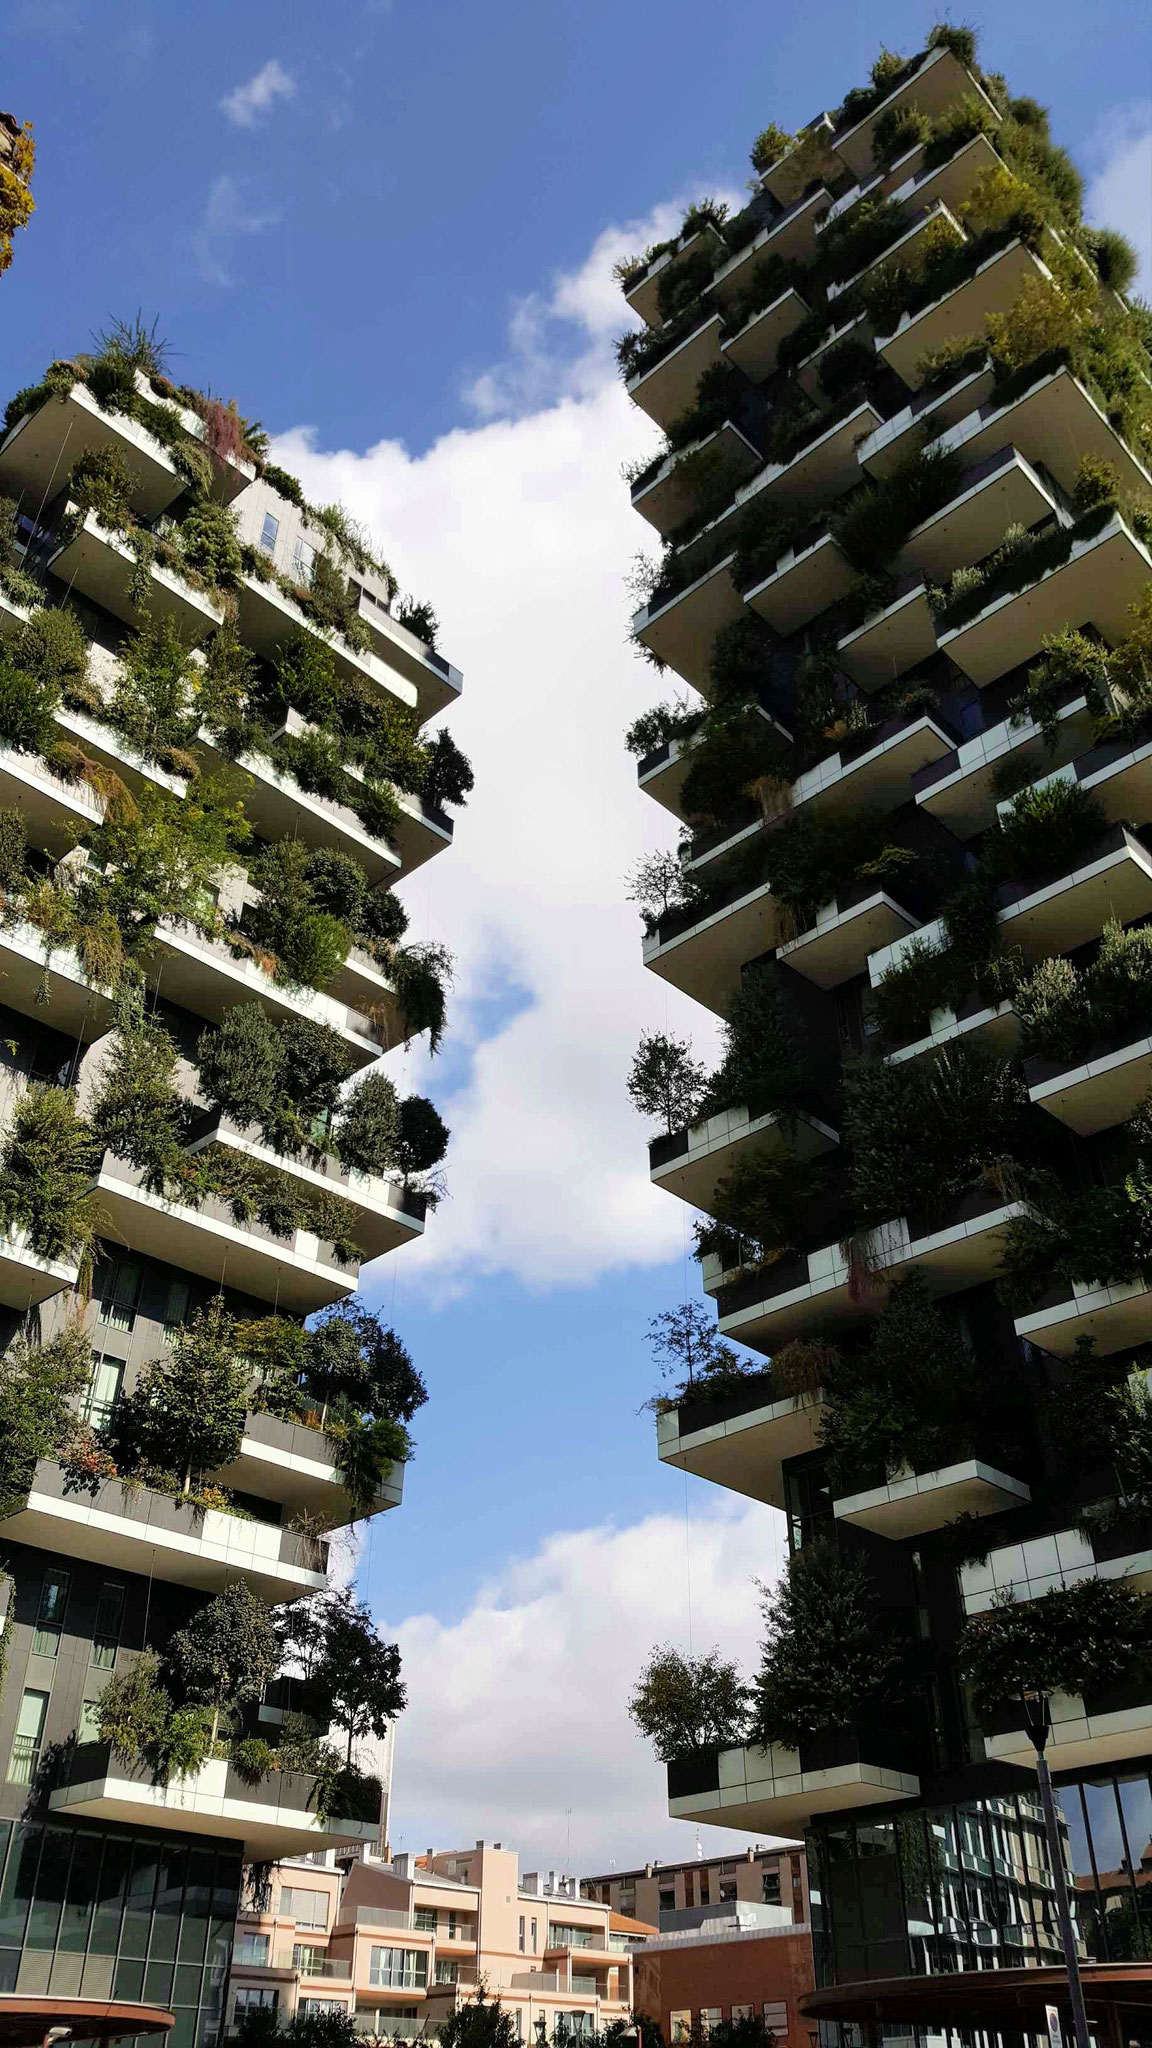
(387, 230)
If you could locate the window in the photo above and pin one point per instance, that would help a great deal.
(399, 2022)
(306, 1908)
(251, 1949)
(681, 2025)
(521, 1933)
(249, 1996)
(710, 2016)
(424, 1920)
(742, 2012)
(776, 2016)
(303, 560)
(667, 1898)
(321, 2005)
(106, 1634)
(88, 1726)
(401, 1969)
(534, 1937)
(770, 1882)
(702, 1884)
(53, 1601)
(268, 533)
(309, 1957)
(727, 1889)
(176, 1310)
(560, 1935)
(118, 1292)
(447, 1973)
(103, 1389)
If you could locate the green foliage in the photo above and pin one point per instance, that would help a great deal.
(252, 1759)
(664, 1080)
(481, 2023)
(770, 145)
(154, 702)
(686, 1704)
(134, 1709)
(309, 945)
(911, 1398)
(898, 130)
(975, 1106)
(1065, 1009)
(811, 861)
(421, 975)
(763, 1068)
(137, 1112)
(857, 237)
(227, 1653)
(357, 1366)
(1075, 1639)
(367, 1128)
(1049, 831)
(700, 1365)
(927, 977)
(877, 520)
(13, 852)
(1071, 665)
(101, 482)
(185, 1415)
(736, 755)
(46, 1167)
(26, 709)
(210, 543)
(827, 1660)
(15, 581)
(39, 1385)
(662, 725)
(365, 1453)
(160, 858)
(760, 1207)
(422, 1140)
(417, 615)
(355, 1683)
(1114, 257)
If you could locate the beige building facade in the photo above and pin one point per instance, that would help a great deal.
(756, 1876)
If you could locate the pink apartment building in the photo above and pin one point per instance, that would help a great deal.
(399, 1944)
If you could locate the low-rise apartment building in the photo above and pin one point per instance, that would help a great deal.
(730, 1962)
(757, 1876)
(400, 1944)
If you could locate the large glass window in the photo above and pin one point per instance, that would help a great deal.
(306, 1907)
(103, 1389)
(405, 1969)
(25, 1758)
(50, 1616)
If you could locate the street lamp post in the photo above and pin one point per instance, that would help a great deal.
(1038, 1721)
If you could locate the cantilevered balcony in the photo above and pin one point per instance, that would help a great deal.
(668, 387)
(963, 310)
(809, 1292)
(775, 1791)
(436, 680)
(103, 744)
(274, 1818)
(385, 1215)
(997, 491)
(680, 629)
(298, 1273)
(37, 454)
(892, 640)
(1048, 1563)
(936, 84)
(755, 347)
(55, 813)
(791, 237)
(157, 1536)
(930, 412)
(204, 976)
(1114, 1317)
(1098, 583)
(1056, 422)
(1093, 1093)
(101, 566)
(744, 1442)
(1108, 1727)
(909, 247)
(957, 787)
(784, 178)
(1061, 915)
(690, 1162)
(49, 983)
(994, 1025)
(644, 295)
(1119, 776)
(847, 930)
(366, 990)
(269, 617)
(279, 808)
(25, 1277)
(231, 474)
(661, 773)
(876, 773)
(666, 499)
(286, 1462)
(808, 372)
(807, 579)
(703, 952)
(951, 182)
(915, 1502)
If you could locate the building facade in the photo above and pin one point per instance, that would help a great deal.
(768, 1877)
(171, 612)
(906, 511)
(400, 1945)
(730, 1966)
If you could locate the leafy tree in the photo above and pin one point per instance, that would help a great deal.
(355, 1685)
(337, 885)
(321, 2030)
(689, 1351)
(135, 1709)
(1073, 1639)
(827, 1660)
(186, 1412)
(13, 853)
(355, 1362)
(162, 859)
(210, 543)
(763, 1068)
(137, 1112)
(368, 1126)
(153, 704)
(240, 1062)
(227, 1654)
(276, 1350)
(26, 710)
(423, 1137)
(39, 1384)
(481, 2023)
(688, 1703)
(659, 883)
(52, 647)
(46, 1167)
(665, 1081)
(448, 777)
(421, 974)
(308, 943)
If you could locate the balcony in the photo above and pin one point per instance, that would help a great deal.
(755, 347)
(804, 582)
(950, 183)
(362, 985)
(269, 617)
(891, 641)
(666, 501)
(661, 773)
(822, 468)
(1114, 1317)
(298, 1273)
(231, 474)
(385, 1216)
(1098, 584)
(1055, 422)
(1066, 913)
(1095, 1093)
(100, 565)
(644, 295)
(39, 451)
(704, 957)
(936, 84)
(278, 808)
(914, 243)
(1045, 1564)
(689, 1163)
(876, 776)
(775, 1791)
(931, 411)
(807, 372)
(273, 1819)
(681, 629)
(25, 1277)
(114, 752)
(286, 1462)
(957, 786)
(1120, 778)
(55, 813)
(837, 946)
(132, 1530)
(963, 310)
(791, 236)
(203, 976)
(810, 1292)
(746, 1445)
(999, 490)
(994, 1025)
(917, 1502)
(49, 983)
(1109, 1728)
(780, 179)
(668, 388)
(436, 681)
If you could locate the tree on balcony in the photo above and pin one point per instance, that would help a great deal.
(185, 1415)
(664, 1080)
(1073, 1639)
(827, 1660)
(39, 1385)
(227, 1654)
(683, 1704)
(701, 1365)
(352, 1680)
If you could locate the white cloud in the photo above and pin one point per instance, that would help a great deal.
(227, 214)
(518, 1711)
(246, 103)
(519, 530)
(1119, 195)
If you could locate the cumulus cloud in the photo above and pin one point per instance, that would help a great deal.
(227, 215)
(1119, 194)
(245, 104)
(520, 531)
(518, 1711)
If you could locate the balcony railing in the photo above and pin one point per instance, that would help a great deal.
(776, 1790)
(273, 1819)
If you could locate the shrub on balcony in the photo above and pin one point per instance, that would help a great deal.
(421, 975)
(354, 1366)
(898, 130)
(210, 544)
(858, 236)
(26, 710)
(665, 1082)
(52, 648)
(737, 756)
(848, 366)
(811, 861)
(663, 725)
(39, 1386)
(448, 776)
(227, 1653)
(46, 1166)
(760, 1209)
(1115, 259)
(307, 944)
(1070, 666)
(283, 1076)
(764, 1067)
(185, 1414)
(1100, 1238)
(154, 701)
(367, 1127)
(1074, 1639)
(1049, 831)
(827, 1659)
(878, 519)
(976, 1107)
(137, 1112)
(422, 1140)
(101, 482)
(770, 145)
(683, 1705)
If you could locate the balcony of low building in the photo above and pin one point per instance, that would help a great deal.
(39, 451)
(204, 976)
(743, 1441)
(909, 247)
(776, 1791)
(1099, 580)
(809, 371)
(126, 1526)
(644, 295)
(273, 1819)
(101, 565)
(913, 1503)
(819, 160)
(990, 288)
(690, 1162)
(666, 388)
